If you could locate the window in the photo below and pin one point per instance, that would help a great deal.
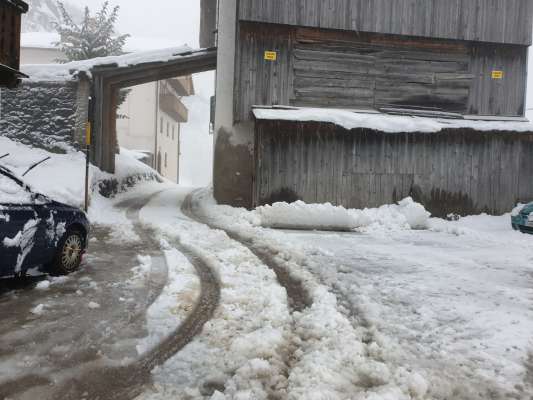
(166, 160)
(173, 131)
(12, 193)
(168, 129)
(161, 125)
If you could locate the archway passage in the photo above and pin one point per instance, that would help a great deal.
(109, 79)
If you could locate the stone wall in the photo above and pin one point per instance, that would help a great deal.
(48, 115)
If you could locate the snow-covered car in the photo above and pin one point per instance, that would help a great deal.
(522, 218)
(37, 232)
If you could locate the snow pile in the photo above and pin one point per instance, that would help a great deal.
(93, 305)
(141, 271)
(384, 122)
(516, 211)
(407, 214)
(300, 215)
(38, 310)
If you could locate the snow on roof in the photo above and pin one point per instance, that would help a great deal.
(67, 71)
(21, 5)
(40, 40)
(349, 119)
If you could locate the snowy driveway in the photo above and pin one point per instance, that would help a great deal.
(389, 314)
(457, 309)
(444, 313)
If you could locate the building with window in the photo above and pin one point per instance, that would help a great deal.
(149, 122)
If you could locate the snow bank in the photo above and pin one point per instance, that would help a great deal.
(300, 215)
(405, 215)
(384, 122)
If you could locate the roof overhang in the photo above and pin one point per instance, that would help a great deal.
(376, 120)
(18, 4)
(10, 77)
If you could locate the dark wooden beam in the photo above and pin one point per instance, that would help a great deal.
(108, 80)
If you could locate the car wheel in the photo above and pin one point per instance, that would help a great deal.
(69, 253)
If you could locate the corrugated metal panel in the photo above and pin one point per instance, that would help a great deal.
(496, 21)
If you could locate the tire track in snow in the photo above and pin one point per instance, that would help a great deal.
(128, 382)
(299, 298)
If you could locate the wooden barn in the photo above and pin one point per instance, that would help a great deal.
(10, 22)
(419, 60)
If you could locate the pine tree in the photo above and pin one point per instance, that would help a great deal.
(94, 37)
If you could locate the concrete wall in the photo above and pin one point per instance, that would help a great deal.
(49, 115)
(234, 144)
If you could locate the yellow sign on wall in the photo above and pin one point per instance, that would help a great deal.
(271, 55)
(497, 74)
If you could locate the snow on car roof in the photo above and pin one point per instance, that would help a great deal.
(352, 119)
(68, 71)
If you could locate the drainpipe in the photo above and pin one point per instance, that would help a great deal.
(154, 160)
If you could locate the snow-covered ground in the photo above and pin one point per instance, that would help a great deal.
(444, 312)
(241, 350)
(403, 306)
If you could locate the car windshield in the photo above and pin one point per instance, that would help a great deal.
(12, 193)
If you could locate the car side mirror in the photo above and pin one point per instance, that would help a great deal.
(38, 198)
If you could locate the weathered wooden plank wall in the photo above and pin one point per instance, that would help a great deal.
(259, 81)
(505, 96)
(208, 23)
(327, 68)
(494, 21)
(454, 171)
(10, 17)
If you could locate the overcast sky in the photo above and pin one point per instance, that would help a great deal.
(173, 22)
